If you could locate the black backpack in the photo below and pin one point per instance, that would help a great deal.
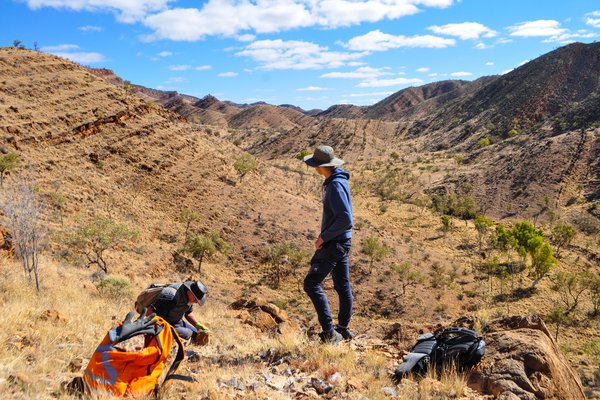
(452, 345)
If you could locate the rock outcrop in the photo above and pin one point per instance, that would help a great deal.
(523, 362)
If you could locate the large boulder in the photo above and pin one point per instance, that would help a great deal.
(522, 361)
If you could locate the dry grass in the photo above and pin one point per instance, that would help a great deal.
(36, 351)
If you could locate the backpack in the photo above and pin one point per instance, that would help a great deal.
(113, 371)
(148, 295)
(452, 345)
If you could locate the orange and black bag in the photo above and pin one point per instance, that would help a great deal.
(114, 371)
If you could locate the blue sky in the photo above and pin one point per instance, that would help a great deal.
(309, 53)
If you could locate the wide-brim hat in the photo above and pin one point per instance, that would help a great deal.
(198, 289)
(323, 156)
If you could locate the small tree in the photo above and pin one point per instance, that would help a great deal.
(94, 238)
(22, 205)
(188, 216)
(374, 249)
(542, 260)
(562, 235)
(281, 254)
(446, 224)
(8, 162)
(482, 225)
(592, 281)
(244, 164)
(17, 43)
(570, 288)
(58, 202)
(558, 317)
(406, 275)
(205, 245)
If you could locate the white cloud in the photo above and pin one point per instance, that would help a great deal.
(422, 69)
(389, 82)
(279, 54)
(461, 73)
(570, 37)
(313, 98)
(180, 67)
(360, 73)
(593, 19)
(82, 57)
(203, 67)
(227, 74)
(60, 47)
(482, 46)
(127, 11)
(232, 17)
(311, 89)
(379, 41)
(370, 94)
(67, 51)
(465, 30)
(433, 74)
(90, 28)
(246, 38)
(539, 28)
(489, 63)
(175, 79)
(164, 54)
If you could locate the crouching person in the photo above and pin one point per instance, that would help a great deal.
(175, 303)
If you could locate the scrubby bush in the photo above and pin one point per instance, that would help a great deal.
(374, 249)
(8, 162)
(281, 254)
(244, 164)
(483, 142)
(115, 287)
(562, 235)
(205, 245)
(94, 238)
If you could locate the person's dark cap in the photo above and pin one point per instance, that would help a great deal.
(198, 289)
(323, 157)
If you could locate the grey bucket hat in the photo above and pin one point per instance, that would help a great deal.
(198, 289)
(323, 157)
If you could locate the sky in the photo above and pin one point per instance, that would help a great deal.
(309, 53)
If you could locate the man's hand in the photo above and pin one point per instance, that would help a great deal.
(319, 243)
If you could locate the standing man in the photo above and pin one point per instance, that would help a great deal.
(332, 246)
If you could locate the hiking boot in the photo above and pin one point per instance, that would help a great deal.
(346, 333)
(330, 337)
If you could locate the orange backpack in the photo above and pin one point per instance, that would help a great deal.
(113, 371)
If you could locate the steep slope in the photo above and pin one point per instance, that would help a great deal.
(267, 116)
(540, 91)
(106, 150)
(400, 103)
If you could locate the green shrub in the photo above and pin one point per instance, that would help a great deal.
(115, 287)
(483, 142)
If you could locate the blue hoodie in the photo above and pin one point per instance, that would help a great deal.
(337, 219)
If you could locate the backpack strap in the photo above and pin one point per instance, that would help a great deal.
(171, 374)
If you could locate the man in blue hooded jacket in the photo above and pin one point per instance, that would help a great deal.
(332, 246)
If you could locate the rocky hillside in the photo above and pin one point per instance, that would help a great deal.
(95, 148)
(526, 137)
(103, 149)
